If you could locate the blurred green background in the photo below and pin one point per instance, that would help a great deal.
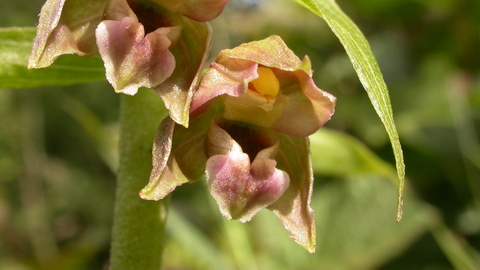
(58, 153)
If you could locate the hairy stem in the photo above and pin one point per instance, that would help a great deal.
(139, 226)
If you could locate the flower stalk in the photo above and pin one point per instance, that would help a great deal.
(139, 225)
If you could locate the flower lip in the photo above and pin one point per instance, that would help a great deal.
(241, 169)
(137, 60)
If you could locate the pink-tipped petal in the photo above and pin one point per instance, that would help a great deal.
(309, 107)
(162, 179)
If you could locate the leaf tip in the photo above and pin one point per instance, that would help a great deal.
(399, 208)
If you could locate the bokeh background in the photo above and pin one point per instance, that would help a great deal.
(58, 153)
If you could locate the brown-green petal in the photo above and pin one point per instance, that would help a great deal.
(270, 52)
(293, 208)
(177, 156)
(191, 51)
(66, 27)
(198, 10)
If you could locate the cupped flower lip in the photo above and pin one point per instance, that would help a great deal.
(134, 42)
(133, 59)
(243, 181)
(308, 107)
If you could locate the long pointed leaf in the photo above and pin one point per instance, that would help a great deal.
(368, 72)
(15, 47)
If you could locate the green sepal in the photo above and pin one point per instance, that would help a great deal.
(293, 208)
(191, 52)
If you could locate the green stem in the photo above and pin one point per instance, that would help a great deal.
(139, 226)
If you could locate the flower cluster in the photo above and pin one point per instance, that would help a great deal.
(245, 127)
(250, 119)
(159, 44)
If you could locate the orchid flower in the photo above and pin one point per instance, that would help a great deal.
(154, 44)
(250, 119)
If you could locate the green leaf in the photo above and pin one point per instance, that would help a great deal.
(190, 238)
(368, 72)
(15, 47)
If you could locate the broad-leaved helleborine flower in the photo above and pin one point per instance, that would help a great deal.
(250, 120)
(143, 43)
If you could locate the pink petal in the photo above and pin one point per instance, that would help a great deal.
(300, 110)
(231, 79)
(163, 180)
(309, 107)
(242, 188)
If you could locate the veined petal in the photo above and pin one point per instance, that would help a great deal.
(133, 60)
(162, 147)
(270, 52)
(240, 187)
(198, 10)
(66, 27)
